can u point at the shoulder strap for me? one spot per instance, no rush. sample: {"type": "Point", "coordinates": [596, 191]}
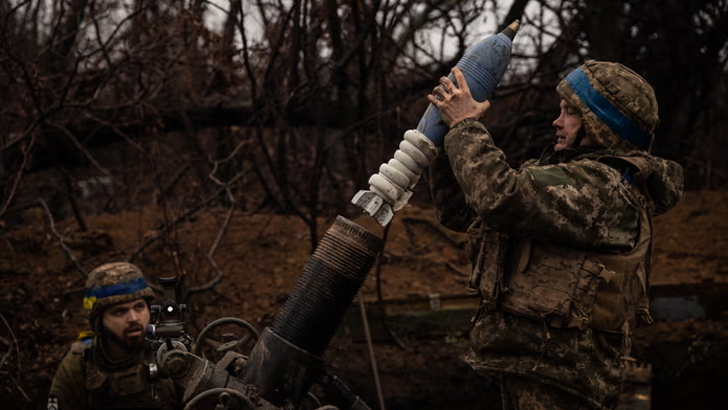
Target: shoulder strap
{"type": "Point", "coordinates": [641, 164]}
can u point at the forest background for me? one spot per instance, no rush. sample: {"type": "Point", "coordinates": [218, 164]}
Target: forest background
{"type": "Point", "coordinates": [145, 130]}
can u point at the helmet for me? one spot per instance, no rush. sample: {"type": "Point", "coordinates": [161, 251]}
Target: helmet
{"type": "Point", "coordinates": [618, 106]}
{"type": "Point", "coordinates": [111, 284]}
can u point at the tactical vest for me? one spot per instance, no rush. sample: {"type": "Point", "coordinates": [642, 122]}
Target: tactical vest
{"type": "Point", "coordinates": [565, 286]}
{"type": "Point", "coordinates": [123, 389]}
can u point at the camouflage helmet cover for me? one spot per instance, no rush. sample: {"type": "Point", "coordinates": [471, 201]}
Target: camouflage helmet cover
{"type": "Point", "coordinates": [114, 283]}
{"type": "Point", "coordinates": [618, 106]}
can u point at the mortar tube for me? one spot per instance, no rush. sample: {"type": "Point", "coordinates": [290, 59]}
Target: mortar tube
{"type": "Point", "coordinates": [286, 360]}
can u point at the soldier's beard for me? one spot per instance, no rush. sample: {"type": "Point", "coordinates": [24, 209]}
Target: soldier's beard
{"type": "Point", "coordinates": [119, 351]}
{"type": "Point", "coordinates": [132, 337]}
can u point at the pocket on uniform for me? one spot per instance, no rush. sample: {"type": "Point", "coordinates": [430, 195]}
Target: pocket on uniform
{"type": "Point", "coordinates": [621, 299]}
{"type": "Point", "coordinates": [491, 258]}
{"type": "Point", "coordinates": [590, 279]}
{"type": "Point", "coordinates": [559, 285]}
{"type": "Point", "coordinates": [475, 239]}
{"type": "Point", "coordinates": [127, 382]}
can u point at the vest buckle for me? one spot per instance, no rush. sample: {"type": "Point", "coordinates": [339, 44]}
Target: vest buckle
{"type": "Point", "coordinates": [644, 203]}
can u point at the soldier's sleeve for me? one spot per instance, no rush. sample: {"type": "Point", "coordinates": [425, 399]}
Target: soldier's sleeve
{"type": "Point", "coordinates": [666, 184]}
{"type": "Point", "coordinates": [582, 203]}
{"type": "Point", "coordinates": [68, 389]}
{"type": "Point", "coordinates": [448, 199]}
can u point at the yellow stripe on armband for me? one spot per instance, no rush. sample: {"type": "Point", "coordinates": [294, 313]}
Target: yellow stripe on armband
{"type": "Point", "coordinates": [84, 334]}
{"type": "Point", "coordinates": [88, 302]}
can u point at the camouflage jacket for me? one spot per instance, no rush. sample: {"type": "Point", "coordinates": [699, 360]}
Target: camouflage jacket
{"type": "Point", "coordinates": [580, 200]}
{"type": "Point", "coordinates": [567, 196]}
{"type": "Point", "coordinates": [80, 384]}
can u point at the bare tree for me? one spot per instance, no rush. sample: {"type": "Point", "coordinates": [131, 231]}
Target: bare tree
{"type": "Point", "coordinates": [218, 107]}
{"type": "Point", "coordinates": [321, 89]}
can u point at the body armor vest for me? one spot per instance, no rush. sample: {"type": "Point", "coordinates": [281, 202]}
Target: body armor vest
{"type": "Point", "coordinates": [566, 286]}
{"type": "Point", "coordinates": [122, 389]}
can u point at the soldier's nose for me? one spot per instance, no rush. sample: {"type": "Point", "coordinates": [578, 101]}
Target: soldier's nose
{"type": "Point", "coordinates": [134, 316]}
{"type": "Point", "coordinates": [556, 124]}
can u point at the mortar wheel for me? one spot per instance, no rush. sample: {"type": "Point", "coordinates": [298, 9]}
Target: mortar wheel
{"type": "Point", "coordinates": [221, 398]}
{"type": "Point", "coordinates": [224, 335]}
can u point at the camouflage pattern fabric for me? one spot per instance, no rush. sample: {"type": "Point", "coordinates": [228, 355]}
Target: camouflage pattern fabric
{"type": "Point", "coordinates": [575, 198]}
{"type": "Point", "coordinates": [589, 205]}
{"type": "Point", "coordinates": [68, 385]}
{"type": "Point", "coordinates": [80, 384]}
{"type": "Point", "coordinates": [525, 394]}
{"type": "Point", "coordinates": [584, 364]}
{"type": "Point", "coordinates": [114, 283]}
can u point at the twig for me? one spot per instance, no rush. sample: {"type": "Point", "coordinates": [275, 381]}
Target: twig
{"type": "Point", "coordinates": [119, 132]}
{"type": "Point", "coordinates": [20, 389]}
{"type": "Point", "coordinates": [15, 340]}
{"type": "Point", "coordinates": [370, 345]}
{"type": "Point", "coordinates": [175, 178]}
{"type": "Point", "coordinates": [378, 269]}
{"type": "Point", "coordinates": [226, 186]}
{"type": "Point", "coordinates": [26, 157]}
{"type": "Point", "coordinates": [262, 231]}
{"type": "Point", "coordinates": [701, 164]}
{"type": "Point", "coordinates": [72, 200]}
{"type": "Point", "coordinates": [85, 152]}
{"type": "Point", "coordinates": [5, 356]}
{"type": "Point", "coordinates": [457, 270]}
{"type": "Point", "coordinates": [61, 241]}
{"type": "Point", "coordinates": [219, 272]}
{"type": "Point", "coordinates": [168, 226]}
{"type": "Point", "coordinates": [434, 226]}
{"type": "Point", "coordinates": [12, 250]}
{"type": "Point", "coordinates": [82, 289]}
{"type": "Point", "coordinates": [396, 338]}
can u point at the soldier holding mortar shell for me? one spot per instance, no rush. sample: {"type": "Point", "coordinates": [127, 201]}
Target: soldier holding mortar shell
{"type": "Point", "coordinates": [561, 246]}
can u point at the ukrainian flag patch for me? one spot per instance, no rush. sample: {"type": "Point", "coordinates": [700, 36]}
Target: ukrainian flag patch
{"type": "Point", "coordinates": [88, 302]}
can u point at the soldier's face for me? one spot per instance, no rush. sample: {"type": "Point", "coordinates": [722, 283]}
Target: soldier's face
{"type": "Point", "coordinates": [567, 126]}
{"type": "Point", "coordinates": [127, 322]}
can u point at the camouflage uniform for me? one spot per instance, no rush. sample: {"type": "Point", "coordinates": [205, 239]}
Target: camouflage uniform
{"type": "Point", "coordinates": [99, 372]}
{"type": "Point", "coordinates": [560, 247]}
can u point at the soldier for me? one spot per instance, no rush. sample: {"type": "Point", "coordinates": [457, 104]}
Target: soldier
{"type": "Point", "coordinates": [108, 368]}
{"type": "Point", "coordinates": [561, 247]}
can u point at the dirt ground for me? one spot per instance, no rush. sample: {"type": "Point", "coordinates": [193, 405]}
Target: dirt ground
{"type": "Point", "coordinates": [263, 256]}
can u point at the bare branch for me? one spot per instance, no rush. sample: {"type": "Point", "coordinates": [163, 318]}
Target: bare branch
{"type": "Point", "coordinates": [7, 354]}
{"type": "Point", "coordinates": [15, 340]}
{"type": "Point", "coordinates": [61, 240]}
{"type": "Point", "coordinates": [81, 148]}
{"type": "Point", "coordinates": [161, 230]}
{"type": "Point", "coordinates": [118, 132]}
{"type": "Point", "coordinates": [219, 273]}
{"type": "Point", "coordinates": [18, 175]}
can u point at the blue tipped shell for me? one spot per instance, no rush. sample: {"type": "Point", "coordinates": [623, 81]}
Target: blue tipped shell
{"type": "Point", "coordinates": [483, 66]}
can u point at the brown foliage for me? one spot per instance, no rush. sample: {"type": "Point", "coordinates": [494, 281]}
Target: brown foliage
{"type": "Point", "coordinates": [285, 108]}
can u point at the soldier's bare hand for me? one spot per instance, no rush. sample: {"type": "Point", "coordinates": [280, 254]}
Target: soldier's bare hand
{"type": "Point", "coordinates": [455, 101]}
